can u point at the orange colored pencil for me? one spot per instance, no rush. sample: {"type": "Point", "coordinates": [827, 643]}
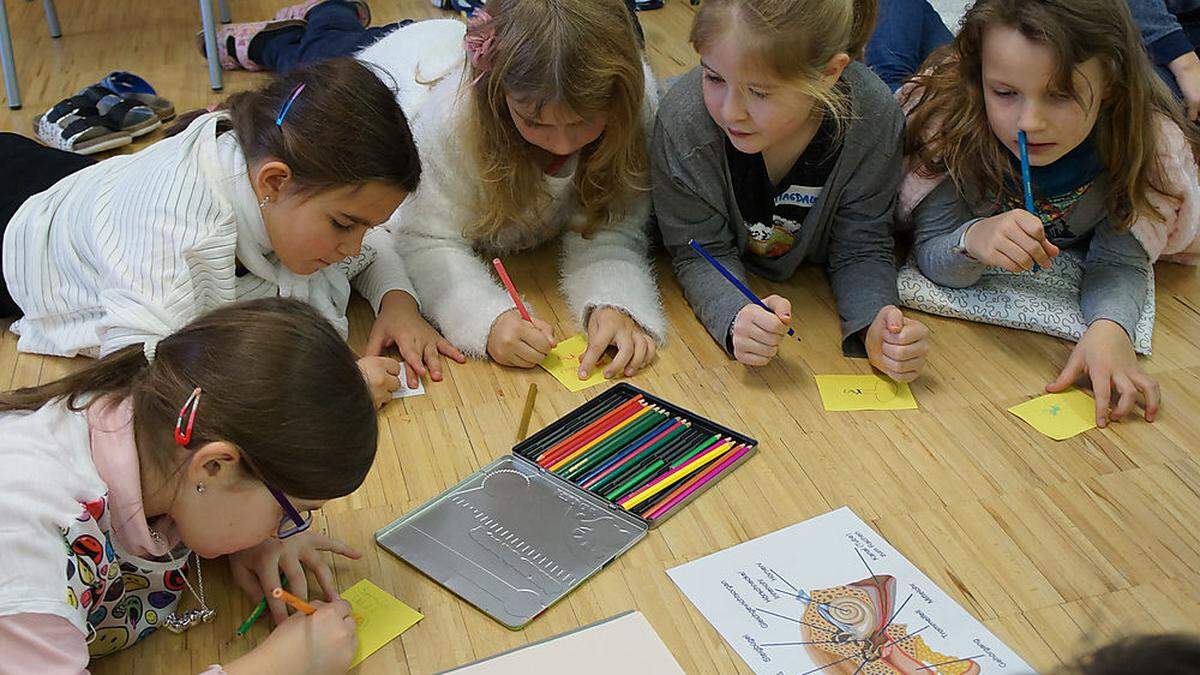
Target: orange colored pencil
{"type": "Point", "coordinates": [590, 431]}
{"type": "Point", "coordinates": [616, 428]}
{"type": "Point", "coordinates": [296, 603]}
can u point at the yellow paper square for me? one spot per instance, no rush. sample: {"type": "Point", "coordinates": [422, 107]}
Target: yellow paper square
{"type": "Point", "coordinates": [563, 364]}
{"type": "Point", "coordinates": [840, 393]}
{"type": "Point", "coordinates": [380, 617]}
{"type": "Point", "coordinates": [1059, 416]}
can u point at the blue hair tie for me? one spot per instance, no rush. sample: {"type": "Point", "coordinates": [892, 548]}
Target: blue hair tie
{"type": "Point", "coordinates": [288, 106]}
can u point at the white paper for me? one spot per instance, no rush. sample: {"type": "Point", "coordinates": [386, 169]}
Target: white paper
{"type": "Point", "coordinates": [757, 596]}
{"type": "Point", "coordinates": [404, 391]}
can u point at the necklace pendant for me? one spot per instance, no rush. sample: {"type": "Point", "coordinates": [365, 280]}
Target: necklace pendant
{"type": "Point", "coordinates": [206, 614]}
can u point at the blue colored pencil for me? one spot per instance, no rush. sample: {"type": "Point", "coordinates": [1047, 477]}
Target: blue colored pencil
{"type": "Point", "coordinates": [732, 279]}
{"type": "Point", "coordinates": [1026, 180]}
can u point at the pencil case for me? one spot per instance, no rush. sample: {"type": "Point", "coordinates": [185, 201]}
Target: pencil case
{"type": "Point", "coordinates": [516, 536]}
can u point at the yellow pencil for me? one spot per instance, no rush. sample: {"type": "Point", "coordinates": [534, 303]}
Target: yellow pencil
{"type": "Point", "coordinates": [599, 439]}
{"type": "Point", "coordinates": [676, 476]}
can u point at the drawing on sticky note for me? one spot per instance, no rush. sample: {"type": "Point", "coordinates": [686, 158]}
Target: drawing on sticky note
{"type": "Point", "coordinates": [1059, 416]}
{"type": "Point", "coordinates": [379, 617]}
{"type": "Point", "coordinates": [563, 364]}
{"type": "Point", "coordinates": [1053, 410]}
{"type": "Point", "coordinates": [864, 392]}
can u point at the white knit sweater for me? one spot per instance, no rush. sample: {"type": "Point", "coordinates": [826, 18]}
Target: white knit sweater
{"type": "Point", "coordinates": [457, 288]}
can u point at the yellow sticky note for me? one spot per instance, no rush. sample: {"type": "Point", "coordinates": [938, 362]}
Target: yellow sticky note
{"type": "Point", "coordinates": [380, 617]}
{"type": "Point", "coordinates": [1059, 416]}
{"type": "Point", "coordinates": [841, 393]}
{"type": "Point", "coordinates": [563, 364]}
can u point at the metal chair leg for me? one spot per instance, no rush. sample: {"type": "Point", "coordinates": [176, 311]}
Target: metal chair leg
{"type": "Point", "coordinates": [207, 17]}
{"type": "Point", "coordinates": [6, 61]}
{"type": "Point", "coordinates": [52, 18]}
{"type": "Point", "coordinates": [223, 10]}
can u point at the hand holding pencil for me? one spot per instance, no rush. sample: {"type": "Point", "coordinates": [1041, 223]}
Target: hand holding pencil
{"type": "Point", "coordinates": [518, 338]}
{"type": "Point", "coordinates": [319, 638]}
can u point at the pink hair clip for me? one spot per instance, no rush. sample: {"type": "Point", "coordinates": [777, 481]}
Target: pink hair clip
{"type": "Point", "coordinates": [480, 38]}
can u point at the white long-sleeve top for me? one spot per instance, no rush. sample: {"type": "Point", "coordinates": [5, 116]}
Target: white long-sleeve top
{"type": "Point", "coordinates": [132, 248]}
{"type": "Point", "coordinates": [456, 286]}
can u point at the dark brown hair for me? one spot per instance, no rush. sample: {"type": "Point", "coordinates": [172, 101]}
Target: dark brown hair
{"type": "Point", "coordinates": [345, 128]}
{"type": "Point", "coordinates": [1169, 654]}
{"type": "Point", "coordinates": [276, 380]}
{"type": "Point", "coordinates": [948, 133]}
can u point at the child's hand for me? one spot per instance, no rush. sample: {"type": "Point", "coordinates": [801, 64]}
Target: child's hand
{"type": "Point", "coordinates": [382, 375]}
{"type": "Point", "coordinates": [1106, 355]}
{"type": "Point", "coordinates": [256, 570]}
{"type": "Point", "coordinates": [321, 644]}
{"type": "Point", "coordinates": [610, 326]}
{"type": "Point", "coordinates": [400, 323]}
{"type": "Point", "coordinates": [1186, 70]}
{"type": "Point", "coordinates": [897, 345]}
{"type": "Point", "coordinates": [1012, 241]}
{"type": "Point", "coordinates": [514, 341]}
{"type": "Point", "coordinates": [757, 332]}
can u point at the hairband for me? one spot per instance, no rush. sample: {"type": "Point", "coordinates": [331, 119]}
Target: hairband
{"type": "Point", "coordinates": [288, 106]}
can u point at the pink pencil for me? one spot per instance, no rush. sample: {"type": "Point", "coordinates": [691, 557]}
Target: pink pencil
{"type": "Point", "coordinates": [712, 474]}
{"type": "Point", "coordinates": [512, 290]}
{"type": "Point", "coordinates": [593, 480]}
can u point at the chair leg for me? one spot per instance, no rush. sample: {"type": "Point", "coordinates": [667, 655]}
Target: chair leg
{"type": "Point", "coordinates": [52, 18]}
{"type": "Point", "coordinates": [6, 61]}
{"type": "Point", "coordinates": [207, 17]}
{"type": "Point", "coordinates": [223, 10]}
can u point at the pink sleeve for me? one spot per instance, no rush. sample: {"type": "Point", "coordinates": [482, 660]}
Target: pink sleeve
{"type": "Point", "coordinates": [41, 643]}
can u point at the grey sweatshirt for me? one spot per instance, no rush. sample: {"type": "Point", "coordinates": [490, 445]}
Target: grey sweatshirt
{"type": "Point", "coordinates": [849, 231]}
{"type": "Point", "coordinates": [1116, 269]}
{"type": "Point", "coordinates": [1162, 33]}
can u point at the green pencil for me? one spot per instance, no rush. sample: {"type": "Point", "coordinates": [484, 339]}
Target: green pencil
{"type": "Point", "coordinates": [658, 464]}
{"type": "Point", "coordinates": [615, 443]}
{"type": "Point", "coordinates": [645, 457]}
{"type": "Point", "coordinates": [258, 611]}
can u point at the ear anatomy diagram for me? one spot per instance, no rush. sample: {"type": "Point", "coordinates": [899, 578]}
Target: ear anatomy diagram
{"type": "Point", "coordinates": [829, 596]}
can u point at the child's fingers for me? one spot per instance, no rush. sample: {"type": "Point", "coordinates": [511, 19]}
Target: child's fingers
{"type": "Point", "coordinates": [749, 347]}
{"type": "Point", "coordinates": [1150, 392]}
{"type": "Point", "coordinates": [412, 357]}
{"type": "Point", "coordinates": [1032, 247]}
{"type": "Point", "coordinates": [268, 578]}
{"type": "Point", "coordinates": [761, 335]}
{"type": "Point", "coordinates": [527, 356]}
{"type": "Point", "coordinates": [624, 343]}
{"type": "Point", "coordinates": [377, 341]}
{"type": "Point", "coordinates": [639, 356]}
{"type": "Point", "coordinates": [447, 349]}
{"type": "Point", "coordinates": [297, 580]}
{"type": "Point", "coordinates": [547, 330]}
{"type": "Point", "coordinates": [1102, 389]}
{"type": "Point", "coordinates": [766, 321]}
{"type": "Point", "coordinates": [538, 338]}
{"type": "Point", "coordinates": [324, 542]}
{"type": "Point", "coordinates": [651, 351]}
{"type": "Point", "coordinates": [434, 362]}
{"type": "Point", "coordinates": [1068, 375]}
{"type": "Point", "coordinates": [315, 564]}
{"type": "Point", "coordinates": [392, 366]}
{"type": "Point", "coordinates": [1019, 256]}
{"type": "Point", "coordinates": [902, 353]}
{"type": "Point", "coordinates": [1128, 396]}
{"type": "Point", "coordinates": [597, 343]}
{"type": "Point", "coordinates": [782, 307]}
{"type": "Point", "coordinates": [912, 333]}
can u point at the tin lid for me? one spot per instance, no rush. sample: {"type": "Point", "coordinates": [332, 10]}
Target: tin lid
{"type": "Point", "coordinates": [512, 539]}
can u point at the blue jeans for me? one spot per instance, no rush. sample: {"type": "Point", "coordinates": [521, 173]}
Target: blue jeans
{"type": "Point", "coordinates": [907, 32]}
{"type": "Point", "coordinates": [333, 30]}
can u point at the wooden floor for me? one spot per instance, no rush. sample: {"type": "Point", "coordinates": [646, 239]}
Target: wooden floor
{"type": "Point", "coordinates": [1055, 546]}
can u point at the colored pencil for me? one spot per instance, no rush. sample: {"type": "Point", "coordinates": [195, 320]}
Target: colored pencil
{"type": "Point", "coordinates": [673, 427]}
{"type": "Point", "coordinates": [647, 474]}
{"type": "Point", "coordinates": [527, 413]}
{"type": "Point", "coordinates": [512, 291]}
{"type": "Point", "coordinates": [707, 478]}
{"type": "Point", "coordinates": [599, 406]}
{"type": "Point", "coordinates": [1027, 180]}
{"type": "Point", "coordinates": [652, 504]}
{"type": "Point", "coordinates": [674, 476]}
{"type": "Point", "coordinates": [296, 603]}
{"type": "Point", "coordinates": [590, 431]}
{"type": "Point", "coordinates": [737, 283]}
{"type": "Point", "coordinates": [616, 428]}
{"type": "Point", "coordinates": [646, 457]}
{"type": "Point", "coordinates": [628, 435]}
{"type": "Point", "coordinates": [257, 612]}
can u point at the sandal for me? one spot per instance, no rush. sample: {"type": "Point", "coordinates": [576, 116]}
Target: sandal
{"type": "Point", "coordinates": [241, 34]}
{"type": "Point", "coordinates": [300, 11]}
{"type": "Point", "coordinates": [133, 88]}
{"type": "Point", "coordinates": [123, 115]}
{"type": "Point", "coordinates": [81, 134]}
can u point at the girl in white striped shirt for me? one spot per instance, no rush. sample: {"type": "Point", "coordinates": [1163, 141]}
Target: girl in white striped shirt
{"type": "Point", "coordinates": [275, 194]}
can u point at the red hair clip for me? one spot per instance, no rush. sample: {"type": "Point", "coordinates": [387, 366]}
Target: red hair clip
{"type": "Point", "coordinates": [184, 436]}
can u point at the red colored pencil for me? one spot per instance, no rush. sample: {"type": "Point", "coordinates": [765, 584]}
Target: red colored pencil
{"type": "Point", "coordinates": [512, 291]}
{"type": "Point", "coordinates": [573, 438]}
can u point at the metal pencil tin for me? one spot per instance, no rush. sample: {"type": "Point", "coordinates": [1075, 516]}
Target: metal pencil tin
{"type": "Point", "coordinates": [514, 538]}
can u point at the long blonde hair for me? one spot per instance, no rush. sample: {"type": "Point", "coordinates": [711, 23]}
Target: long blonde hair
{"type": "Point", "coordinates": [793, 40]}
{"type": "Point", "coordinates": [948, 132]}
{"type": "Point", "coordinates": [582, 55]}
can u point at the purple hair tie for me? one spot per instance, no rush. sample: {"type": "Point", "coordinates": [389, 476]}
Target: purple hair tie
{"type": "Point", "coordinates": [288, 106]}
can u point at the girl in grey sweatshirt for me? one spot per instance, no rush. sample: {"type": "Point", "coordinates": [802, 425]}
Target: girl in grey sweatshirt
{"type": "Point", "coordinates": [780, 150]}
